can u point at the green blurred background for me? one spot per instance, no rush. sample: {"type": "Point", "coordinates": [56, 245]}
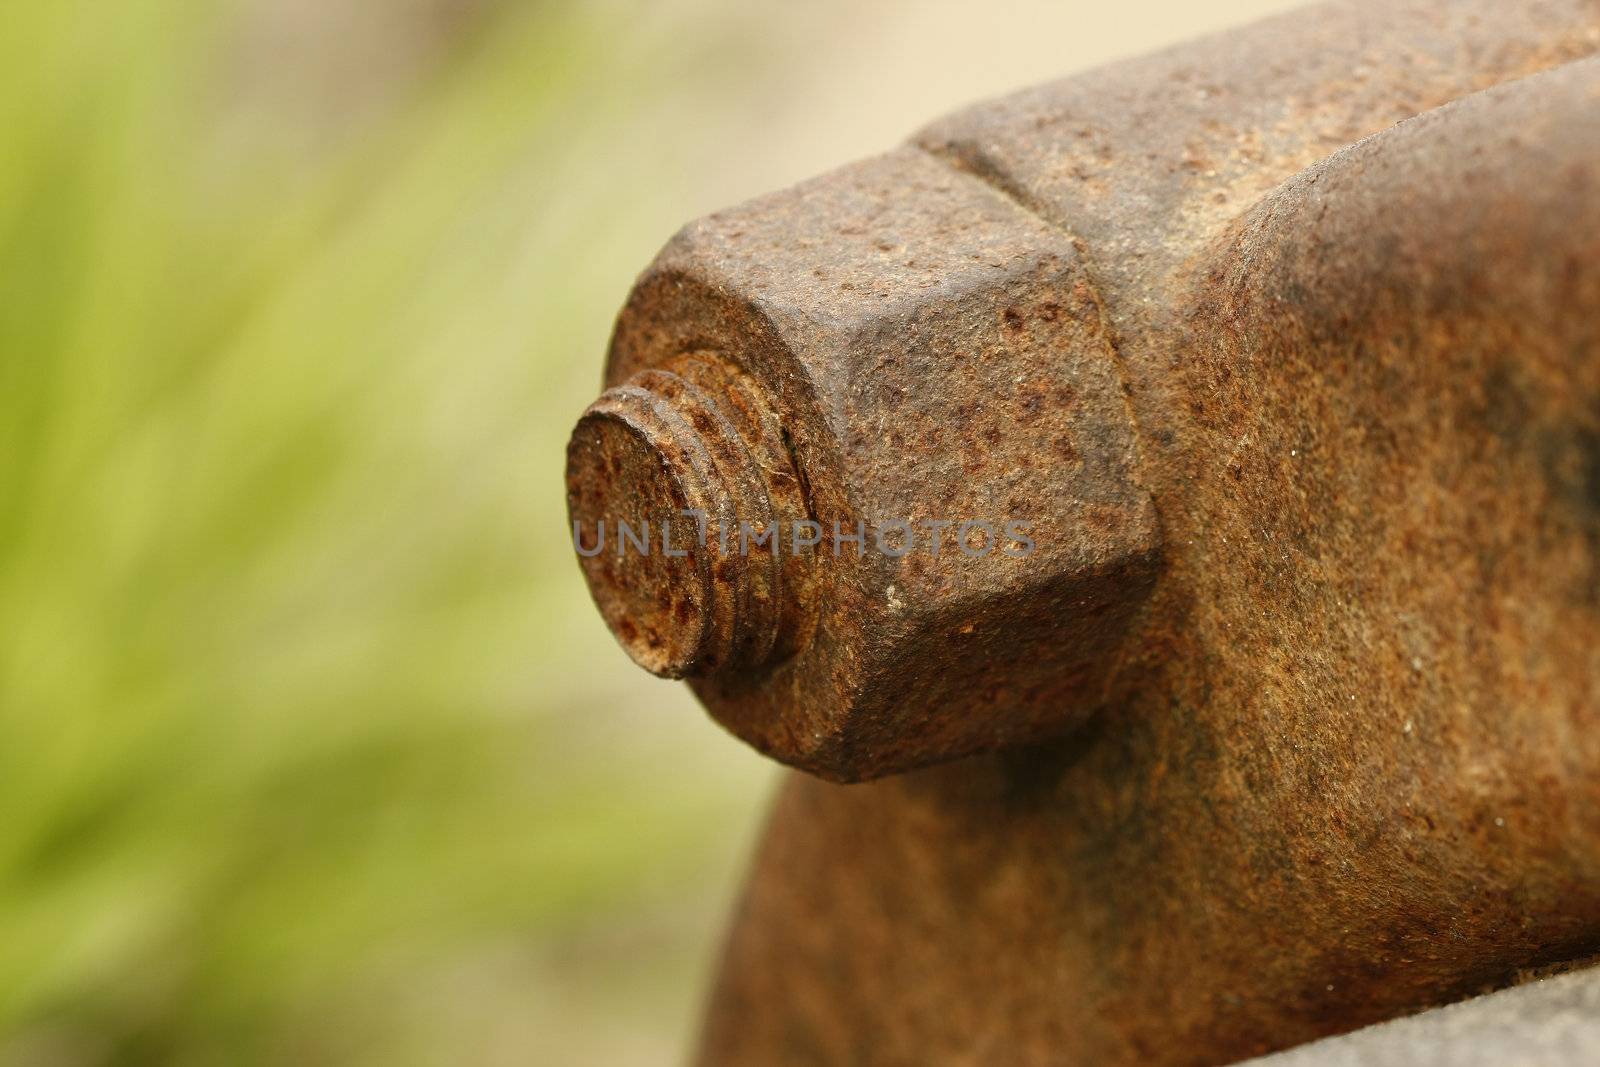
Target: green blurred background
{"type": "Point", "coordinates": [312, 750]}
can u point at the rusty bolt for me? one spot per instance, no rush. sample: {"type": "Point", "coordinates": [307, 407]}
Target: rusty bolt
{"type": "Point", "coordinates": [661, 472]}
{"type": "Point", "coordinates": [911, 363]}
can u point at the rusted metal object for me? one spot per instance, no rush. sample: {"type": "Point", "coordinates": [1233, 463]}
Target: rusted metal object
{"type": "Point", "coordinates": [1305, 407]}
{"type": "Point", "coordinates": [676, 451]}
{"type": "Point", "coordinates": [937, 359]}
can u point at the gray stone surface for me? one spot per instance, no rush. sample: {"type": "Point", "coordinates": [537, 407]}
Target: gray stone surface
{"type": "Point", "coordinates": [1554, 1022]}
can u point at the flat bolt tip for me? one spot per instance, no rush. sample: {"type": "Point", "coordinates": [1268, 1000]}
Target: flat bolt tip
{"type": "Point", "coordinates": [630, 480]}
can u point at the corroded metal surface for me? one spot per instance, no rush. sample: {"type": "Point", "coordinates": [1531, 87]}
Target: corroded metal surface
{"type": "Point", "coordinates": [937, 357]}
{"type": "Point", "coordinates": [679, 455]}
{"type": "Point", "coordinates": [1306, 406]}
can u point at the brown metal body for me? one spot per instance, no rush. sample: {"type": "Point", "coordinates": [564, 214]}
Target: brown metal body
{"type": "Point", "coordinates": [1293, 711]}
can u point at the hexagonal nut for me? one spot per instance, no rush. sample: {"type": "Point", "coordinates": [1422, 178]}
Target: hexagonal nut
{"type": "Point", "coordinates": [900, 363]}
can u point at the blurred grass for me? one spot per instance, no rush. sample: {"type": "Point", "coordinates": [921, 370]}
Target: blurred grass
{"type": "Point", "coordinates": [303, 756]}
